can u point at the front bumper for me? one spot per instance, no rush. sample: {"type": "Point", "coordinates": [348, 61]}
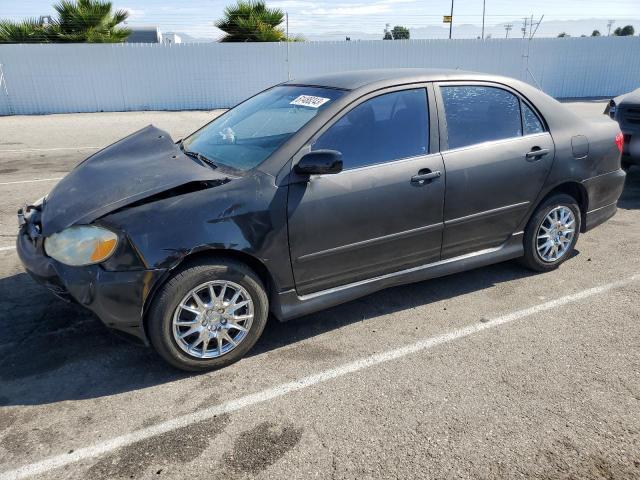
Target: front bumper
{"type": "Point", "coordinates": [603, 192]}
{"type": "Point", "coordinates": [116, 297]}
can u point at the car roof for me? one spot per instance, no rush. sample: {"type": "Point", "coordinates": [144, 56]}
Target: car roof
{"type": "Point", "coordinates": [355, 79]}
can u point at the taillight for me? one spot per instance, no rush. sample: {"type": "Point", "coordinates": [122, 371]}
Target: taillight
{"type": "Point", "coordinates": [620, 141]}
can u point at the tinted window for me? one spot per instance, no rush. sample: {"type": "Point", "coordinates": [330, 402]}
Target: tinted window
{"type": "Point", "coordinates": [385, 128]}
{"type": "Point", "coordinates": [246, 135]}
{"type": "Point", "coordinates": [480, 114]}
{"type": "Point", "coordinates": [530, 121]}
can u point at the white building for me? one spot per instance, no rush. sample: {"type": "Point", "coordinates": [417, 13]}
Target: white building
{"type": "Point", "coordinates": [171, 38]}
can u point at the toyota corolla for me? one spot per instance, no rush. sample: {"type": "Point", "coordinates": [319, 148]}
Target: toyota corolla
{"type": "Point", "coordinates": [313, 193]}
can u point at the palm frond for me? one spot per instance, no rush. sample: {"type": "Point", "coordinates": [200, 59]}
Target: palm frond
{"type": "Point", "coordinates": [90, 21]}
{"type": "Point", "coordinates": [29, 30]}
{"type": "Point", "coordinates": [251, 21]}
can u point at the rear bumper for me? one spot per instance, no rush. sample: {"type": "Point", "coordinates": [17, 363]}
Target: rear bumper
{"type": "Point", "coordinates": [117, 298]}
{"type": "Point", "coordinates": [603, 192]}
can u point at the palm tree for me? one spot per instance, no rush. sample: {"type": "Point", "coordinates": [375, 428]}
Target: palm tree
{"type": "Point", "coordinates": [252, 21]}
{"type": "Point", "coordinates": [89, 21]}
{"type": "Point", "coordinates": [80, 21]}
{"type": "Point", "coordinates": [29, 30]}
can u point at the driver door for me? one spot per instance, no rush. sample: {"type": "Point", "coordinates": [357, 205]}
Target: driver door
{"type": "Point", "coordinates": [376, 216]}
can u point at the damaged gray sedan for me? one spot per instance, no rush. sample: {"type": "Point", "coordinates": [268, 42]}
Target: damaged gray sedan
{"type": "Point", "coordinates": [313, 193]}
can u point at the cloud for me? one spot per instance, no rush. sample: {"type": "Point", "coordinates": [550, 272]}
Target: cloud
{"type": "Point", "coordinates": [352, 9]}
{"type": "Point", "coordinates": [291, 4]}
{"type": "Point", "coordinates": [134, 13]}
{"type": "Point", "coordinates": [347, 9]}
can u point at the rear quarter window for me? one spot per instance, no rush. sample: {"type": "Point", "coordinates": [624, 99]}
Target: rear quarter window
{"type": "Point", "coordinates": [530, 121]}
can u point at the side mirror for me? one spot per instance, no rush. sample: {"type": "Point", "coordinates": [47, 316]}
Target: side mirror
{"type": "Point", "coordinates": [320, 162]}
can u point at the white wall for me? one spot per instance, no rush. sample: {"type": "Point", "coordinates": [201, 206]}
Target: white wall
{"type": "Point", "coordinates": [101, 77]}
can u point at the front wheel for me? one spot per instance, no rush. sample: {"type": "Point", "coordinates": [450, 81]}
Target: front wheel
{"type": "Point", "coordinates": [208, 315]}
{"type": "Point", "coordinates": [551, 234]}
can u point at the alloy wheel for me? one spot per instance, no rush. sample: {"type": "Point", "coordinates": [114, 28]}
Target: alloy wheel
{"type": "Point", "coordinates": [213, 319]}
{"type": "Point", "coordinates": [555, 234]}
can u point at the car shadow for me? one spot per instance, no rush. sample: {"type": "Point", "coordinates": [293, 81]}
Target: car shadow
{"type": "Point", "coordinates": [52, 351]}
{"type": "Point", "coordinates": [387, 302]}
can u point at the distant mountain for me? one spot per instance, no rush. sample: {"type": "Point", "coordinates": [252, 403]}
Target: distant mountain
{"type": "Point", "coordinates": [552, 28]}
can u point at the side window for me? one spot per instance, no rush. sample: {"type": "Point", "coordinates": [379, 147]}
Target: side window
{"type": "Point", "coordinates": [477, 114]}
{"type": "Point", "coordinates": [385, 128]}
{"type": "Point", "coordinates": [530, 121]}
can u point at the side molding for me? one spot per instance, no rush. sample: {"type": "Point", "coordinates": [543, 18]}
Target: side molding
{"type": "Point", "coordinates": [288, 305]}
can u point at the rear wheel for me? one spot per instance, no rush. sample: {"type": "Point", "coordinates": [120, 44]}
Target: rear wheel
{"type": "Point", "coordinates": [208, 315]}
{"type": "Point", "coordinates": [551, 234]}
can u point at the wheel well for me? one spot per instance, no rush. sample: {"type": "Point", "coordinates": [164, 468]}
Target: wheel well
{"type": "Point", "coordinates": [252, 262]}
{"type": "Point", "coordinates": [577, 191]}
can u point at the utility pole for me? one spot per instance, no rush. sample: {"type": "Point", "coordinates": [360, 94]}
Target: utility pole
{"type": "Point", "coordinates": [609, 24]}
{"type": "Point", "coordinates": [483, 9]}
{"type": "Point", "coordinates": [531, 25]}
{"type": "Point", "coordinates": [507, 29]}
{"type": "Point", "coordinates": [532, 32]}
{"type": "Point", "coordinates": [524, 26]}
{"type": "Point", "coordinates": [451, 24]}
{"type": "Point", "coordinates": [288, 65]}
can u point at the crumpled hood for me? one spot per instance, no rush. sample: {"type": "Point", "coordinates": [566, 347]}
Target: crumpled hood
{"type": "Point", "coordinates": [143, 164]}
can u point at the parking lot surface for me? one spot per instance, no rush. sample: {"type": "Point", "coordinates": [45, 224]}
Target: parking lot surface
{"type": "Point", "coordinates": [492, 373]}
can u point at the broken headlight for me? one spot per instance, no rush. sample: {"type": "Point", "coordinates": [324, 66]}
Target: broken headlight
{"type": "Point", "coordinates": [81, 245]}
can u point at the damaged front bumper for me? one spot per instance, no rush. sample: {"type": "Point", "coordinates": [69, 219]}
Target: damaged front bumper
{"type": "Point", "coordinates": [117, 297]}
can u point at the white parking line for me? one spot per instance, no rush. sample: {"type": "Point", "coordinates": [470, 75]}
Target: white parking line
{"type": "Point", "coordinates": [44, 466]}
{"type": "Point", "coordinates": [32, 181]}
{"type": "Point", "coordinates": [22, 150]}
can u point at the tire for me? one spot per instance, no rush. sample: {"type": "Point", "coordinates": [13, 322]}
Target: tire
{"type": "Point", "coordinates": [626, 166]}
{"type": "Point", "coordinates": [174, 312]}
{"type": "Point", "coordinates": [533, 258]}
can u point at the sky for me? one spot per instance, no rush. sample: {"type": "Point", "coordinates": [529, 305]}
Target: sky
{"type": "Point", "coordinates": [315, 18]}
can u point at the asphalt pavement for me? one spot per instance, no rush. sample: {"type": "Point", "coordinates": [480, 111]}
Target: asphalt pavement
{"type": "Point", "coordinates": [493, 373]}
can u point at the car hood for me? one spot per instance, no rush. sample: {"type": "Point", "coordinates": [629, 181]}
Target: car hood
{"type": "Point", "coordinates": [142, 165]}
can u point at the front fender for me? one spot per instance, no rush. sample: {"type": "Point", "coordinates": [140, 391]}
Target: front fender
{"type": "Point", "coordinates": [246, 215]}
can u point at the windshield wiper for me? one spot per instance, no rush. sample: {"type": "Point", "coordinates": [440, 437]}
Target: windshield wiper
{"type": "Point", "coordinates": [197, 156]}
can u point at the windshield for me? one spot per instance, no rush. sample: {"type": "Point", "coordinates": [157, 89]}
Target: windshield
{"type": "Point", "coordinates": [246, 135]}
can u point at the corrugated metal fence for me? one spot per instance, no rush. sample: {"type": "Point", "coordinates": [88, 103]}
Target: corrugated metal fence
{"type": "Point", "coordinates": [89, 78]}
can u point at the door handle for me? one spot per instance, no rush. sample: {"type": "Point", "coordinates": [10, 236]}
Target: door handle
{"type": "Point", "coordinates": [423, 178]}
{"type": "Point", "coordinates": [536, 153]}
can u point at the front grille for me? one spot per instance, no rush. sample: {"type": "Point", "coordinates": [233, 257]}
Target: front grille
{"type": "Point", "coordinates": [31, 226]}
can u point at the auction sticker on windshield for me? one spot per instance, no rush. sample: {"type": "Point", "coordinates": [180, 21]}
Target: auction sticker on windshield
{"type": "Point", "coordinates": [310, 101]}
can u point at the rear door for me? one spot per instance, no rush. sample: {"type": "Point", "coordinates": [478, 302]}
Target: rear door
{"type": "Point", "coordinates": [497, 154]}
{"type": "Point", "coordinates": [374, 217]}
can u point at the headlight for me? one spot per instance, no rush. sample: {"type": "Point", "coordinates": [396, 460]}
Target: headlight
{"type": "Point", "coordinates": [82, 245]}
